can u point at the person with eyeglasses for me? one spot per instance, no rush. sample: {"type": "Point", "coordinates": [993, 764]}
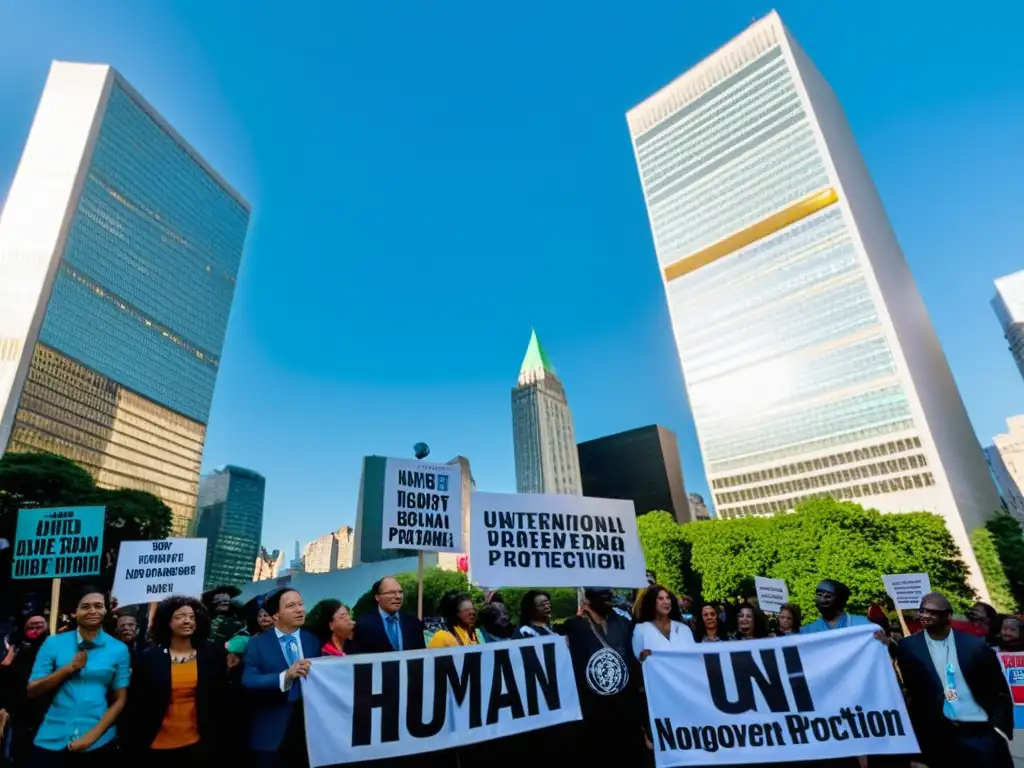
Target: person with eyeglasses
{"type": "Point", "coordinates": [388, 628]}
{"type": "Point", "coordinates": [957, 696]}
{"type": "Point", "coordinates": [87, 672]}
{"type": "Point", "coordinates": [830, 598]}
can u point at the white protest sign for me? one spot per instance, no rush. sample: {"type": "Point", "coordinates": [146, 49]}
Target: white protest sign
{"type": "Point", "coordinates": [779, 700]}
{"type": "Point", "coordinates": [907, 589]}
{"type": "Point", "coordinates": [533, 539]}
{"type": "Point", "coordinates": [772, 594]}
{"type": "Point", "coordinates": [389, 705]}
{"type": "Point", "coordinates": [422, 506]}
{"type": "Point", "coordinates": [149, 571]}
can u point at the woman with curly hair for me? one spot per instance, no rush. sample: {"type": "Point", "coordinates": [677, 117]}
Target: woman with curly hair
{"type": "Point", "coordinates": [750, 623]}
{"type": "Point", "coordinates": [332, 623]}
{"type": "Point", "coordinates": [178, 687]}
{"type": "Point", "coordinates": [659, 624]}
{"type": "Point", "coordinates": [459, 616]}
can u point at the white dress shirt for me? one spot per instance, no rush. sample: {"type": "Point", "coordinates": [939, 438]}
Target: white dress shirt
{"type": "Point", "coordinates": [285, 683]}
{"type": "Point", "coordinates": [647, 637]}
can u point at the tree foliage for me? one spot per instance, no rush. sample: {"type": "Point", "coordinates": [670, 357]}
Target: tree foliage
{"type": "Point", "coordinates": [999, 547]}
{"type": "Point", "coordinates": [823, 538]}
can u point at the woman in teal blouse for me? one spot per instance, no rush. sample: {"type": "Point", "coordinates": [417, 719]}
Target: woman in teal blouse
{"type": "Point", "coordinates": [87, 672]}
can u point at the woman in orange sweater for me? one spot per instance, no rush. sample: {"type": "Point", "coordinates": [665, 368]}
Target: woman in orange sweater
{"type": "Point", "coordinates": [177, 687]}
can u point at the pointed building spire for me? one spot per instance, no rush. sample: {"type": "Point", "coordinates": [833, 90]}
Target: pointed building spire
{"type": "Point", "coordinates": [536, 362]}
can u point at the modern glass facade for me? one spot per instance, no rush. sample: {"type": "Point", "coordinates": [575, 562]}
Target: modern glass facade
{"type": "Point", "coordinates": [810, 362]}
{"type": "Point", "coordinates": [136, 278]}
{"type": "Point", "coordinates": [230, 518]}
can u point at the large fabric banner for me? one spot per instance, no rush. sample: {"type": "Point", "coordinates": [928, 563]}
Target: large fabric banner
{"type": "Point", "coordinates": [803, 697]}
{"type": "Point", "coordinates": [394, 704]}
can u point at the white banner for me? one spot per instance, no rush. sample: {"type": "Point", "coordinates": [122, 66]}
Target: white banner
{"type": "Point", "coordinates": [800, 697]}
{"type": "Point", "coordinates": [907, 589]}
{"type": "Point", "coordinates": [540, 540]}
{"type": "Point", "coordinates": [772, 594]}
{"type": "Point", "coordinates": [149, 571]}
{"type": "Point", "coordinates": [422, 506]}
{"type": "Point", "coordinates": [394, 704]}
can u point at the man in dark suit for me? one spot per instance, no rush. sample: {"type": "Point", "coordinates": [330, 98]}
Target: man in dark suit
{"type": "Point", "coordinates": [275, 663]}
{"type": "Point", "coordinates": [388, 629]}
{"type": "Point", "coordinates": [957, 693]}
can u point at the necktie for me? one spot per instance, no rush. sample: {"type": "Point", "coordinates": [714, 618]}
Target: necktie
{"type": "Point", "coordinates": [291, 655]}
{"type": "Point", "coordinates": [393, 633]}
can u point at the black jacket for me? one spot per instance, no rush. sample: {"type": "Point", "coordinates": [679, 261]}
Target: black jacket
{"type": "Point", "coordinates": [982, 672]}
{"type": "Point", "coordinates": [150, 695]}
{"type": "Point", "coordinates": [371, 637]}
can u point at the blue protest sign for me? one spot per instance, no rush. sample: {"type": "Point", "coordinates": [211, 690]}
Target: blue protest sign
{"type": "Point", "coordinates": [58, 542]}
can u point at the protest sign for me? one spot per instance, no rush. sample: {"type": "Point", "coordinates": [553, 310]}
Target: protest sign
{"type": "Point", "coordinates": [907, 589]}
{"type": "Point", "coordinates": [533, 539]}
{"type": "Point", "coordinates": [391, 705]}
{"type": "Point", "coordinates": [772, 594]}
{"type": "Point", "coordinates": [148, 571]}
{"type": "Point", "coordinates": [58, 542]}
{"type": "Point", "coordinates": [787, 699]}
{"type": "Point", "coordinates": [422, 506]}
{"type": "Point", "coordinates": [1013, 667]}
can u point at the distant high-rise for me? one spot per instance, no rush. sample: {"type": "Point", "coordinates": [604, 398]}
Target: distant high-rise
{"type": "Point", "coordinates": [1006, 459]}
{"type": "Point", "coordinates": [119, 251]}
{"type": "Point", "coordinates": [698, 507]}
{"type": "Point", "coordinates": [542, 432]}
{"type": "Point", "coordinates": [1009, 306]}
{"type": "Point", "coordinates": [330, 552]}
{"type": "Point", "coordinates": [641, 465]}
{"type": "Point", "coordinates": [268, 564]}
{"type": "Point", "coordinates": [810, 361]}
{"type": "Point", "coordinates": [230, 518]}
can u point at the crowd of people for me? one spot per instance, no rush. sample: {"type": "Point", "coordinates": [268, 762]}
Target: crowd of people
{"type": "Point", "coordinates": [205, 680]}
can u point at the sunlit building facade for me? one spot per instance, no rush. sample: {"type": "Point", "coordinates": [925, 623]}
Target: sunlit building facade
{"type": "Point", "coordinates": [1008, 304]}
{"type": "Point", "coordinates": [119, 251]}
{"type": "Point", "coordinates": [1006, 460]}
{"type": "Point", "coordinates": [810, 361]}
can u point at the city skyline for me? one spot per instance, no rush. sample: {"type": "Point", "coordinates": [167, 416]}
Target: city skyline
{"type": "Point", "coordinates": [561, 239]}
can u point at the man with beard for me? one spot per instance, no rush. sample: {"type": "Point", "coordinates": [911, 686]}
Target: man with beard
{"type": "Point", "coordinates": [600, 644]}
{"type": "Point", "coordinates": [957, 694]}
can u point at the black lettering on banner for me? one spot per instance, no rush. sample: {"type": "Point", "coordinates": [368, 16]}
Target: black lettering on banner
{"type": "Point", "coordinates": [504, 691]}
{"type": "Point", "coordinates": [551, 540]}
{"type": "Point", "coordinates": [444, 676]}
{"type": "Point", "coordinates": [747, 674]}
{"type": "Point", "coordinates": [545, 677]}
{"type": "Point", "coordinates": [364, 701]}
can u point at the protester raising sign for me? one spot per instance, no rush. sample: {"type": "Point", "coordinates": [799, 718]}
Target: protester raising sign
{"type": "Point", "coordinates": [772, 594]}
{"type": "Point", "coordinates": [787, 699]}
{"type": "Point", "coordinates": [907, 589]}
{"type": "Point", "coordinates": [532, 539]}
{"type": "Point", "coordinates": [148, 571]}
{"type": "Point", "coordinates": [391, 705]}
{"type": "Point", "coordinates": [422, 506]}
{"type": "Point", "coordinates": [58, 542]}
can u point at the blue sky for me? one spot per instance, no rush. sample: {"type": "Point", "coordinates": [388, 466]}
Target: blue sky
{"type": "Point", "coordinates": [431, 180]}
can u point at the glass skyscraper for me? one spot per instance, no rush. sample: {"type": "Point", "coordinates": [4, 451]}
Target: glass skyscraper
{"type": "Point", "coordinates": [230, 518]}
{"type": "Point", "coordinates": [810, 361]}
{"type": "Point", "coordinates": [119, 251]}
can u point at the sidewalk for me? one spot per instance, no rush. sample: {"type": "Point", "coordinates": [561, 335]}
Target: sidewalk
{"type": "Point", "coordinates": [1017, 749]}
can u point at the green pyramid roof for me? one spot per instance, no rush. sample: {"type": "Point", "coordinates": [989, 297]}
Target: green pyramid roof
{"type": "Point", "coordinates": [536, 358]}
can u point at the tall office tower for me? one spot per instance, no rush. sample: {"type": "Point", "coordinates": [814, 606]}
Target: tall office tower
{"type": "Point", "coordinates": [810, 361]}
{"type": "Point", "coordinates": [1006, 460]}
{"type": "Point", "coordinates": [698, 508]}
{"type": "Point", "coordinates": [542, 433]}
{"type": "Point", "coordinates": [119, 249]}
{"type": "Point", "coordinates": [1009, 306]}
{"type": "Point", "coordinates": [230, 518]}
{"type": "Point", "coordinates": [641, 465]}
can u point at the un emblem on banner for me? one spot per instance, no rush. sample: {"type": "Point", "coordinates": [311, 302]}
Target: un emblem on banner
{"type": "Point", "coordinates": [607, 673]}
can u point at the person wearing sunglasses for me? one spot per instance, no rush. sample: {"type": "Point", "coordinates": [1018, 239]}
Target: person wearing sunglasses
{"type": "Point", "coordinates": [958, 699]}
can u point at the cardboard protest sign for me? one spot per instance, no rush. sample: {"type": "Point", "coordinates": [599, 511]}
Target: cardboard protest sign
{"type": "Point", "coordinates": [772, 594]}
{"type": "Point", "coordinates": [1013, 667]}
{"type": "Point", "coordinates": [907, 589]}
{"type": "Point", "coordinates": [148, 571]}
{"type": "Point", "coordinates": [422, 506]}
{"type": "Point", "coordinates": [533, 539]}
{"type": "Point", "coordinates": [389, 705]}
{"type": "Point", "coordinates": [58, 542]}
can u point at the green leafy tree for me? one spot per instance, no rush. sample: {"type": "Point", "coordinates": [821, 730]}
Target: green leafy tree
{"type": "Point", "coordinates": [987, 554]}
{"type": "Point", "coordinates": [999, 547]}
{"type": "Point", "coordinates": [131, 516]}
{"type": "Point", "coordinates": [564, 601]}
{"type": "Point", "coordinates": [39, 480]}
{"type": "Point", "coordinates": [666, 549]}
{"type": "Point", "coordinates": [436, 584]}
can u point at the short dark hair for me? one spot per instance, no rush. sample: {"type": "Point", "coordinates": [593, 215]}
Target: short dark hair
{"type": "Point", "coordinates": [842, 592]}
{"type": "Point", "coordinates": [91, 589]}
{"type": "Point", "coordinates": [273, 602]}
{"type": "Point", "coordinates": [649, 604]}
{"type": "Point", "coordinates": [527, 607]}
{"type": "Point", "coordinates": [165, 610]}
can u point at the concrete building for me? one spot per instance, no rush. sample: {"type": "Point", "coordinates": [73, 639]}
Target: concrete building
{"type": "Point", "coordinates": [542, 431]}
{"type": "Point", "coordinates": [811, 364]}
{"type": "Point", "coordinates": [698, 508]}
{"type": "Point", "coordinates": [1006, 460]}
{"type": "Point", "coordinates": [230, 518]}
{"type": "Point", "coordinates": [269, 565]}
{"type": "Point", "coordinates": [119, 252]}
{"type": "Point", "coordinates": [641, 465]}
{"type": "Point", "coordinates": [330, 552]}
{"type": "Point", "coordinates": [1009, 306]}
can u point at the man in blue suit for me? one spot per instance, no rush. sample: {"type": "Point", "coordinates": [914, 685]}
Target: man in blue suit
{"type": "Point", "coordinates": [275, 663]}
{"type": "Point", "coordinates": [388, 629]}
